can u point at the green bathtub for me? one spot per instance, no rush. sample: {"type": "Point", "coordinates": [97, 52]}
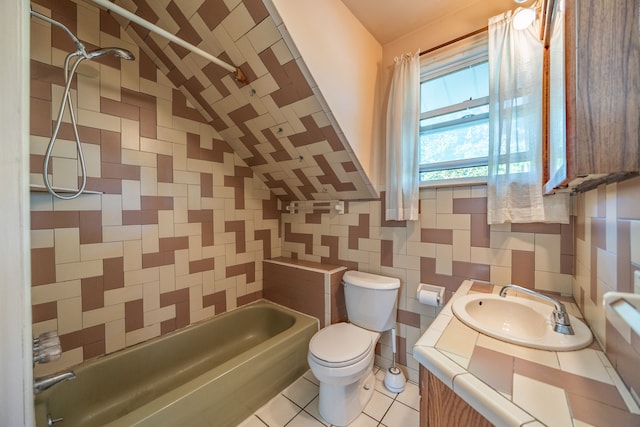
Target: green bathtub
{"type": "Point", "coordinates": [217, 372]}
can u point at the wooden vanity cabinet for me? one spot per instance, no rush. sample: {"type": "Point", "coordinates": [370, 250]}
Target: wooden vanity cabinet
{"type": "Point", "coordinates": [602, 87]}
{"type": "Point", "coordinates": [441, 407]}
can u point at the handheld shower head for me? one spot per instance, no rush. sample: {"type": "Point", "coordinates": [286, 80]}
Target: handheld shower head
{"type": "Point", "coordinates": [120, 53]}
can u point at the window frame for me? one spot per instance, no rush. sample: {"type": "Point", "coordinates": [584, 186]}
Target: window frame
{"type": "Point", "coordinates": [456, 56]}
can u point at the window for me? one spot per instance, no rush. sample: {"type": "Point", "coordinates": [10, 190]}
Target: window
{"type": "Point", "coordinates": [454, 112]}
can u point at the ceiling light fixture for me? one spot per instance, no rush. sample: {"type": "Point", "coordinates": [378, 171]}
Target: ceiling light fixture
{"type": "Point", "coordinates": [523, 18]}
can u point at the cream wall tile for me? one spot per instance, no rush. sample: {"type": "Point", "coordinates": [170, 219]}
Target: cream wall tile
{"type": "Point", "coordinates": [89, 87]}
{"type": "Point", "coordinates": [65, 173]}
{"type": "Point", "coordinates": [114, 335]}
{"type": "Point", "coordinates": [151, 296]}
{"type": "Point", "coordinates": [547, 403]}
{"type": "Point", "coordinates": [129, 73]}
{"type": "Point", "coordinates": [139, 158]}
{"type": "Point", "coordinates": [55, 291]}
{"type": "Point", "coordinates": [555, 282]}
{"type": "Point", "coordinates": [635, 241]}
{"type": "Point", "coordinates": [264, 35]}
{"type": "Point", "coordinates": [497, 257]}
{"type": "Point", "coordinates": [121, 233]}
{"type": "Point", "coordinates": [130, 136]}
{"type": "Point", "coordinates": [121, 295]}
{"type": "Point", "coordinates": [42, 239]}
{"type": "Point", "coordinates": [104, 315]}
{"type": "Point", "coordinates": [479, 191]}
{"type": "Point", "coordinates": [143, 334]}
{"type": "Point", "coordinates": [159, 315]}
{"type": "Point", "coordinates": [109, 82]}
{"type": "Point", "coordinates": [607, 268]}
{"type": "Point", "coordinates": [130, 195]}
{"type": "Point", "coordinates": [165, 224]}
{"type": "Point", "coordinates": [461, 245]}
{"type": "Point", "coordinates": [100, 251]}
{"type": "Point", "coordinates": [167, 278]}
{"type": "Point", "coordinates": [444, 200]}
{"type": "Point", "coordinates": [132, 255]}
{"type": "Point", "coordinates": [67, 245]}
{"type": "Point", "coordinates": [444, 258]}
{"type": "Point", "coordinates": [458, 339]}
{"type": "Point", "coordinates": [453, 221]}
{"type": "Point", "coordinates": [69, 315]}
{"type": "Point", "coordinates": [92, 159]}
{"type": "Point", "coordinates": [40, 41]}
{"type": "Point", "coordinates": [150, 242]}
{"type": "Point", "coordinates": [139, 277]}
{"type": "Point", "coordinates": [514, 241]}
{"type": "Point", "coordinates": [78, 270]}
{"type": "Point", "coordinates": [111, 209]}
{"type": "Point", "coordinates": [88, 202]}
{"type": "Point", "coordinates": [547, 252]}
{"type": "Point", "coordinates": [148, 181]}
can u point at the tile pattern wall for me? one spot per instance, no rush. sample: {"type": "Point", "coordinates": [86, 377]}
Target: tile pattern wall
{"type": "Point", "coordinates": [451, 242]}
{"type": "Point", "coordinates": [279, 123]}
{"type": "Point", "coordinates": [182, 226]}
{"type": "Point", "coordinates": [607, 254]}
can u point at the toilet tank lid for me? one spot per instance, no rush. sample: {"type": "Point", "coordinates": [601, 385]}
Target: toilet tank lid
{"type": "Point", "coordinates": [368, 280]}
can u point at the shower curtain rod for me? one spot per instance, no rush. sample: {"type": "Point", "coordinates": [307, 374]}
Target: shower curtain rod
{"type": "Point", "coordinates": [239, 75]}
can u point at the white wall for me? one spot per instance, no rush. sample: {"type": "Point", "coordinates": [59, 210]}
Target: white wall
{"type": "Point", "coordinates": [16, 397]}
{"type": "Point", "coordinates": [343, 59]}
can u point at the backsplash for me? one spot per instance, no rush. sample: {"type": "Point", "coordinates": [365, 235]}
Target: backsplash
{"type": "Point", "coordinates": [451, 242]}
{"type": "Point", "coordinates": [607, 253]}
{"type": "Point", "coordinates": [182, 225]}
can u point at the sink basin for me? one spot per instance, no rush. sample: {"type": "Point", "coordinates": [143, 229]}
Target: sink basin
{"type": "Point", "coordinates": [519, 321]}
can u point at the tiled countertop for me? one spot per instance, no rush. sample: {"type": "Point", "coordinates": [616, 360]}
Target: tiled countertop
{"type": "Point", "coordinates": [512, 385]}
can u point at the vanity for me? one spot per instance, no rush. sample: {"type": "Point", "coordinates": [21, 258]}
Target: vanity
{"type": "Point", "coordinates": [471, 379]}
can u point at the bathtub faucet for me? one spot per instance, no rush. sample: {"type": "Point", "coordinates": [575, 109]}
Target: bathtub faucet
{"type": "Point", "coordinates": [43, 383]}
{"type": "Point", "coordinates": [561, 322]}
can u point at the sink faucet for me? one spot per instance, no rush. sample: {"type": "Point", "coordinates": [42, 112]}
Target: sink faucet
{"type": "Point", "coordinates": [561, 321]}
{"type": "Point", "coordinates": [43, 383]}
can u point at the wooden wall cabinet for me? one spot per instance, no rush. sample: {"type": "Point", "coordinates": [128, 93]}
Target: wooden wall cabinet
{"type": "Point", "coordinates": [602, 88]}
{"type": "Point", "coordinates": [441, 407]}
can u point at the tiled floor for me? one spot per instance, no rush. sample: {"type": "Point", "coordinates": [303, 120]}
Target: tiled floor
{"type": "Point", "coordinates": [297, 406]}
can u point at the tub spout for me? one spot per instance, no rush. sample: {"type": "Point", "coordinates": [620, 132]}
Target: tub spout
{"type": "Point", "coordinates": [43, 383]}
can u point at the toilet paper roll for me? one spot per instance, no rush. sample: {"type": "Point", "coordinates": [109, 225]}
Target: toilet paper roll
{"type": "Point", "coordinates": [429, 298]}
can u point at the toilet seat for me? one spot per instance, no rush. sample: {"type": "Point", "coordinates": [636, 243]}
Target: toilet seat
{"type": "Point", "coordinates": [339, 345]}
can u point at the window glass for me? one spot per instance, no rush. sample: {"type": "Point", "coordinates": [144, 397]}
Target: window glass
{"type": "Point", "coordinates": [454, 117]}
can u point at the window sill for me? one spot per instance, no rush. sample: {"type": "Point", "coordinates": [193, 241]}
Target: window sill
{"type": "Point", "coordinates": [457, 182]}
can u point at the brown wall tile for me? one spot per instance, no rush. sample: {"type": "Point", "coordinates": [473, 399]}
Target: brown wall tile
{"type": "Point", "coordinates": [523, 268]}
{"type": "Point", "coordinates": [434, 235]}
{"type": "Point", "coordinates": [43, 266]}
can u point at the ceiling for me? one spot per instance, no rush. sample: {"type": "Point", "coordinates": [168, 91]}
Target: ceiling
{"type": "Point", "coordinates": [389, 20]}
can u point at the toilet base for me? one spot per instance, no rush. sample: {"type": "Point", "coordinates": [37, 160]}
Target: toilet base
{"type": "Point", "coordinates": [341, 404]}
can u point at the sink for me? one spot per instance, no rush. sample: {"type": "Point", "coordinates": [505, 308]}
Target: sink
{"type": "Point", "coordinates": [519, 321]}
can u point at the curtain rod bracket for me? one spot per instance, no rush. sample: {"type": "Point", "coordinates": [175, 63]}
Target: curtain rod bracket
{"type": "Point", "coordinates": [240, 76]}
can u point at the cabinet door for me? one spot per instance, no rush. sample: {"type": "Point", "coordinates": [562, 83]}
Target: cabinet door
{"type": "Point", "coordinates": [602, 80]}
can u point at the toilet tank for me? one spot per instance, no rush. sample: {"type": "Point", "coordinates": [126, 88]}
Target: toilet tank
{"type": "Point", "coordinates": [371, 300]}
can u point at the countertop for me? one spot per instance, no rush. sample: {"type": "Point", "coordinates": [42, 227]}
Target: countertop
{"type": "Point", "coordinates": [511, 385]}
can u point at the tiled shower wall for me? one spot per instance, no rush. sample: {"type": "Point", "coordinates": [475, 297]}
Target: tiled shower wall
{"type": "Point", "coordinates": [607, 253]}
{"type": "Point", "coordinates": [181, 226]}
{"type": "Point", "coordinates": [451, 242]}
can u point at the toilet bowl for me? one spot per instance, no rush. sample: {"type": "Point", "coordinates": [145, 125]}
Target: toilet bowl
{"type": "Point", "coordinates": [341, 355]}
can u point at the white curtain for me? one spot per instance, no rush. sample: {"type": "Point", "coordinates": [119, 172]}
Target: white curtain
{"type": "Point", "coordinates": [403, 116]}
{"type": "Point", "coordinates": [515, 192]}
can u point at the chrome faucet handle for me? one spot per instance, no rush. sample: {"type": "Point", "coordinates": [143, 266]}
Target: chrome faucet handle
{"type": "Point", "coordinates": [561, 322]}
{"type": "Point", "coordinates": [47, 354]}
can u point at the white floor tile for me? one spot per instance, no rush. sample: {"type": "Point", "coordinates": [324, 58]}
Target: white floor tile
{"type": "Point", "coordinates": [364, 420]}
{"type": "Point", "coordinates": [301, 392]}
{"type": "Point", "coordinates": [252, 421]}
{"type": "Point", "coordinates": [278, 411]}
{"type": "Point", "coordinates": [380, 384]}
{"type": "Point", "coordinates": [309, 375]}
{"type": "Point", "coordinates": [410, 396]}
{"type": "Point", "coordinates": [378, 405]}
{"type": "Point", "coordinates": [312, 408]}
{"type": "Point", "coordinates": [304, 420]}
{"type": "Point", "coordinates": [400, 415]}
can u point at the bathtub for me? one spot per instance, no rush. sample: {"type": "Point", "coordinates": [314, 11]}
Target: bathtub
{"type": "Point", "coordinates": [217, 372]}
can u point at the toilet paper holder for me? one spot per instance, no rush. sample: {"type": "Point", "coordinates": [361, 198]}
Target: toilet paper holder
{"type": "Point", "coordinates": [435, 291]}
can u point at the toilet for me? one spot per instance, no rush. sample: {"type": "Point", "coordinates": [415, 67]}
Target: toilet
{"type": "Point", "coordinates": [341, 355]}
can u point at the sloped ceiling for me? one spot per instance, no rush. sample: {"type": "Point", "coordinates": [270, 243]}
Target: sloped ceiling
{"type": "Point", "coordinates": [278, 123]}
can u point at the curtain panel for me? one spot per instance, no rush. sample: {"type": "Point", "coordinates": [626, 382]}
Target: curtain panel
{"type": "Point", "coordinates": [514, 187]}
{"type": "Point", "coordinates": [403, 116]}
